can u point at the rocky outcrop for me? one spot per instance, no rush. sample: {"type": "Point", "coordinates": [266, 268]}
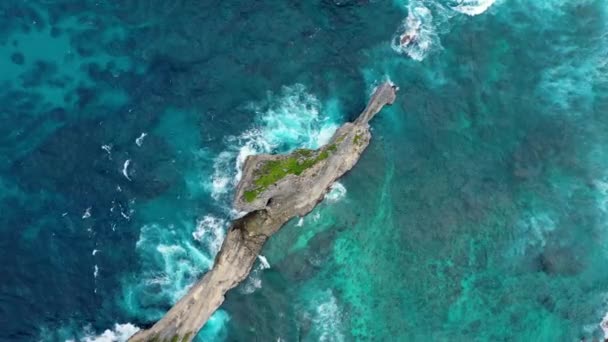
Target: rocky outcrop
{"type": "Point", "coordinates": [273, 189]}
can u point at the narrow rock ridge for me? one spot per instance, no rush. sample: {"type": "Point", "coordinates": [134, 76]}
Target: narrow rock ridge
{"type": "Point", "coordinates": [273, 189]}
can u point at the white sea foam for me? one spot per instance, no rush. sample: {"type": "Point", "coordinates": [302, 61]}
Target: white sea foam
{"type": "Point", "coordinates": [95, 271]}
{"type": "Point", "coordinates": [172, 261]}
{"type": "Point", "coordinates": [221, 175]}
{"type": "Point", "coordinates": [425, 21]}
{"type": "Point", "coordinates": [293, 120]}
{"type": "Point", "coordinates": [210, 232]}
{"type": "Point", "coordinates": [328, 320]}
{"type": "Point", "coordinates": [253, 282]}
{"type": "Point", "coordinates": [473, 7]}
{"type": "Point", "coordinates": [178, 270]}
{"type": "Point", "coordinates": [602, 199]}
{"type": "Point", "coordinates": [284, 122]}
{"type": "Point", "coordinates": [125, 170]}
{"type": "Point", "coordinates": [336, 193]}
{"type": "Point", "coordinates": [125, 215]}
{"type": "Point", "coordinates": [140, 140]}
{"type": "Point", "coordinates": [120, 333]}
{"type": "Point", "coordinates": [418, 23]}
{"type": "Point", "coordinates": [604, 325]}
{"type": "Point", "coordinates": [300, 222]}
{"type": "Point", "coordinates": [87, 213]}
{"type": "Point", "coordinates": [108, 149]}
{"type": "Point", "coordinates": [264, 262]}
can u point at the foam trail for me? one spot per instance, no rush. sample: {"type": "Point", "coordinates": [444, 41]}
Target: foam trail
{"type": "Point", "coordinates": [125, 167]}
{"type": "Point", "coordinates": [253, 282]}
{"type": "Point", "coordinates": [120, 333]}
{"type": "Point", "coordinates": [337, 192]}
{"type": "Point", "coordinates": [108, 149]}
{"type": "Point", "coordinates": [473, 7]}
{"type": "Point", "coordinates": [139, 141]}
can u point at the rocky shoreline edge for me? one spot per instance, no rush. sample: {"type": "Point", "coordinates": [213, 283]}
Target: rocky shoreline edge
{"type": "Point", "coordinates": [273, 190]}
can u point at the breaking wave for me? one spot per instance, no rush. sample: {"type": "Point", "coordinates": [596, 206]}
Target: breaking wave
{"type": "Point", "coordinates": [75, 332]}
{"type": "Point", "coordinates": [419, 22]}
{"type": "Point", "coordinates": [254, 280]}
{"type": "Point", "coordinates": [286, 121]}
{"type": "Point", "coordinates": [327, 319]}
{"type": "Point", "coordinates": [171, 261]}
{"type": "Point", "coordinates": [427, 20]}
{"type": "Point", "coordinates": [336, 193]}
{"type": "Point", "coordinates": [120, 333]}
{"type": "Point", "coordinates": [472, 7]}
{"type": "Point", "coordinates": [210, 231]}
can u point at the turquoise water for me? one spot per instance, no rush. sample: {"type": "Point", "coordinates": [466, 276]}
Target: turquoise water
{"type": "Point", "coordinates": [477, 213]}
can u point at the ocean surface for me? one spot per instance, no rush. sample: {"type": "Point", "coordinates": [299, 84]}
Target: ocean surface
{"type": "Point", "coordinates": [478, 213]}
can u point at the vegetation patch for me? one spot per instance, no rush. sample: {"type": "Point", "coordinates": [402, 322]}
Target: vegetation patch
{"type": "Point", "coordinates": [357, 139]}
{"type": "Point", "coordinates": [275, 170]}
{"type": "Point", "coordinates": [304, 152]}
{"type": "Point", "coordinates": [250, 195]}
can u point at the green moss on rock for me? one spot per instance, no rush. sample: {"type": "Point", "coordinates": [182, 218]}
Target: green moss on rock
{"type": "Point", "coordinates": [357, 139]}
{"type": "Point", "coordinates": [274, 170]}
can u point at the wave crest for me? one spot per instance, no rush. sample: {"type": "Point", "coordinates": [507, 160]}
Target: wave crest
{"type": "Point", "coordinates": [120, 333]}
{"type": "Point", "coordinates": [472, 7]}
{"type": "Point", "coordinates": [336, 193]}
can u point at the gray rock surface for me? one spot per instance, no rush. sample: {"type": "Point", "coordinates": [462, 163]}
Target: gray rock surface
{"type": "Point", "coordinates": [273, 189]}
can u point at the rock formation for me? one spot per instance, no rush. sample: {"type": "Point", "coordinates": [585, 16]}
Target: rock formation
{"type": "Point", "coordinates": [273, 189]}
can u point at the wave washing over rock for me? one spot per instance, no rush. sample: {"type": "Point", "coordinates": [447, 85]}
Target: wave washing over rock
{"type": "Point", "coordinates": [120, 333]}
{"type": "Point", "coordinates": [285, 121]}
{"type": "Point", "coordinates": [427, 20]}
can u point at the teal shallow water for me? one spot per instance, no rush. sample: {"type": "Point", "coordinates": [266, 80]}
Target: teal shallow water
{"type": "Point", "coordinates": [477, 213]}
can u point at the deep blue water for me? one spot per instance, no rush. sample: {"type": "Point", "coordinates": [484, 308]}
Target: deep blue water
{"type": "Point", "coordinates": [477, 213]}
